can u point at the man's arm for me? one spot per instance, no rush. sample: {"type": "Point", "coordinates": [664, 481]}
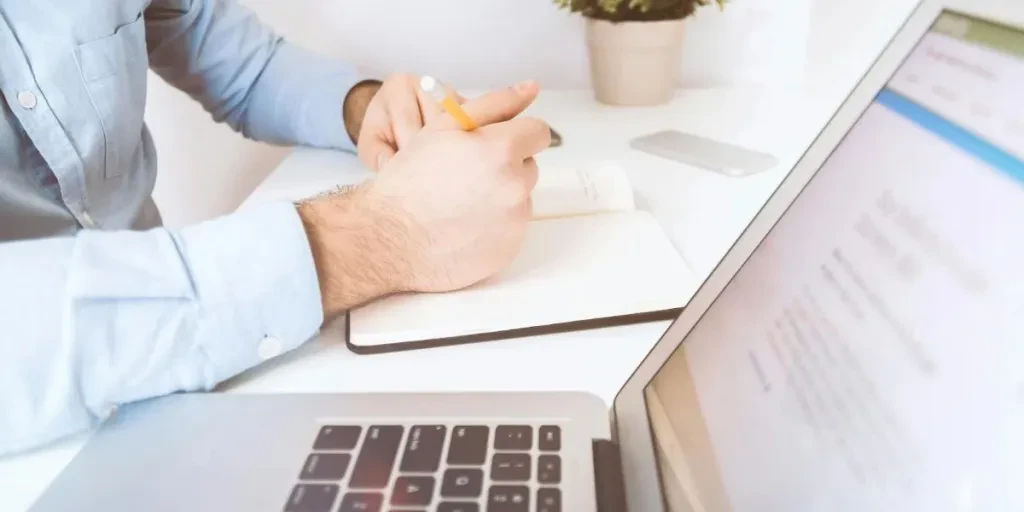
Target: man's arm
{"type": "Point", "coordinates": [100, 319]}
{"type": "Point", "coordinates": [245, 75]}
{"type": "Point", "coordinates": [105, 318]}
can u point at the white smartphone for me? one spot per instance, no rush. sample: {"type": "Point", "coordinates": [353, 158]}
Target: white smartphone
{"type": "Point", "coordinates": [706, 153]}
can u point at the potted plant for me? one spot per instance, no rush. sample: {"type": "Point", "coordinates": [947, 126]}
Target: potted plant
{"type": "Point", "coordinates": [634, 46]}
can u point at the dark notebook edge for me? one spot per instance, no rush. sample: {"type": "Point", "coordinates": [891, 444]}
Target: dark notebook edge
{"type": "Point", "coordinates": [522, 332]}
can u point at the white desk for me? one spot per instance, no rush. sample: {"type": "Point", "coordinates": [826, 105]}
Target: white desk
{"type": "Point", "coordinates": [703, 213]}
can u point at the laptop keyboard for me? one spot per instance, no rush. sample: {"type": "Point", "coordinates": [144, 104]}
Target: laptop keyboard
{"type": "Point", "coordinates": [460, 468]}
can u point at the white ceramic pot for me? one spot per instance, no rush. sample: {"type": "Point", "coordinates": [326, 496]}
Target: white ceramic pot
{"type": "Point", "coordinates": [634, 62]}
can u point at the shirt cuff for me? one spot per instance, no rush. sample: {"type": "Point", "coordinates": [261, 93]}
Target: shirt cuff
{"type": "Point", "coordinates": [266, 292]}
{"type": "Point", "coordinates": [298, 99]}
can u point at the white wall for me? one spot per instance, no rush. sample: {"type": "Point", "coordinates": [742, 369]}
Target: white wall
{"type": "Point", "coordinates": [206, 170]}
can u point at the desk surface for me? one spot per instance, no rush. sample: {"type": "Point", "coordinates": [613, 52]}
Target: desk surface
{"type": "Point", "coordinates": [702, 212]}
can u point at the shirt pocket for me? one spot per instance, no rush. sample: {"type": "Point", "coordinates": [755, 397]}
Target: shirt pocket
{"type": "Point", "coordinates": [114, 71]}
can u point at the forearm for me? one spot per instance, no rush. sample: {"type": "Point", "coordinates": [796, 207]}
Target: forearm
{"type": "Point", "coordinates": [247, 76]}
{"type": "Point", "coordinates": [307, 99]}
{"type": "Point", "coordinates": [107, 318]}
{"type": "Point", "coordinates": [360, 245]}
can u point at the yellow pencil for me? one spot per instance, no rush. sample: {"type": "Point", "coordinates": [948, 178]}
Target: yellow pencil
{"type": "Point", "coordinates": [436, 90]}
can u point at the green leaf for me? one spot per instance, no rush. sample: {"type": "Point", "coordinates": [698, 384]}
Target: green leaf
{"type": "Point", "coordinates": [635, 10]}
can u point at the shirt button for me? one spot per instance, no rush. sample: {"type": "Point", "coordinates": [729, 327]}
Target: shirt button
{"type": "Point", "coordinates": [87, 220]}
{"type": "Point", "coordinates": [107, 410]}
{"type": "Point", "coordinates": [269, 348]}
{"type": "Point", "coordinates": [27, 99]}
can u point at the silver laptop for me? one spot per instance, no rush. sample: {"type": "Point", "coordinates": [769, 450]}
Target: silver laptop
{"type": "Point", "coordinates": [861, 347]}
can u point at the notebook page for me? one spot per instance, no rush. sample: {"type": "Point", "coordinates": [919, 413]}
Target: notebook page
{"type": "Point", "coordinates": [570, 269]}
{"type": "Point", "coordinates": [582, 190]}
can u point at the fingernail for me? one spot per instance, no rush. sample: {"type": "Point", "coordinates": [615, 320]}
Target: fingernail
{"type": "Point", "coordinates": [381, 160]}
{"type": "Point", "coordinates": [525, 86]}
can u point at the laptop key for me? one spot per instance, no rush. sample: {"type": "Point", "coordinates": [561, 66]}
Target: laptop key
{"type": "Point", "coordinates": [423, 448]}
{"type": "Point", "coordinates": [468, 445]}
{"type": "Point", "coordinates": [462, 483]}
{"type": "Point", "coordinates": [412, 490]}
{"type": "Point", "coordinates": [549, 499]}
{"type": "Point", "coordinates": [337, 437]}
{"type": "Point", "coordinates": [510, 467]}
{"type": "Point", "coordinates": [550, 438]}
{"type": "Point", "coordinates": [457, 506]}
{"type": "Point", "coordinates": [362, 502]}
{"type": "Point", "coordinates": [376, 457]}
{"type": "Point", "coordinates": [508, 498]}
{"type": "Point", "coordinates": [325, 466]}
{"type": "Point", "coordinates": [549, 469]}
{"type": "Point", "coordinates": [513, 437]}
{"type": "Point", "coordinates": [312, 498]}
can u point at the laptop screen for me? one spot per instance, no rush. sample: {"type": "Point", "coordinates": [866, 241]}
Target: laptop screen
{"type": "Point", "coordinates": [869, 354]}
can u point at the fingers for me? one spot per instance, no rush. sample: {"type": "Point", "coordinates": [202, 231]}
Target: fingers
{"type": "Point", "coordinates": [410, 112]}
{"type": "Point", "coordinates": [406, 117]}
{"type": "Point", "coordinates": [405, 109]}
{"type": "Point", "coordinates": [520, 138]}
{"type": "Point", "coordinates": [455, 94]}
{"type": "Point", "coordinates": [497, 106]}
{"type": "Point", "coordinates": [430, 109]}
{"type": "Point", "coordinates": [375, 152]}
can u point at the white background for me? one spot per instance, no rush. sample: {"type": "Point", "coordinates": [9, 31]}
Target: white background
{"type": "Point", "coordinates": [206, 170]}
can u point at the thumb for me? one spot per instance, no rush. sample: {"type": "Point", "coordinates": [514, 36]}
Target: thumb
{"type": "Point", "coordinates": [499, 106]}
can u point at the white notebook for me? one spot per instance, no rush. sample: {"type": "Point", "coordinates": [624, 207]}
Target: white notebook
{"type": "Point", "coordinates": [590, 259]}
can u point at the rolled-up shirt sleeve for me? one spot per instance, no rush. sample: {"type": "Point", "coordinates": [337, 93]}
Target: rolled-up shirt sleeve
{"type": "Point", "coordinates": [247, 76]}
{"type": "Point", "coordinates": [101, 319]}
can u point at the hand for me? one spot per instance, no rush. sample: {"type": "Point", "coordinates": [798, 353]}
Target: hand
{"type": "Point", "coordinates": [394, 114]}
{"type": "Point", "coordinates": [448, 211]}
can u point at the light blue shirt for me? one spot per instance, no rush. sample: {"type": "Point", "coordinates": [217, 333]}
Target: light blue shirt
{"type": "Point", "coordinates": [99, 305]}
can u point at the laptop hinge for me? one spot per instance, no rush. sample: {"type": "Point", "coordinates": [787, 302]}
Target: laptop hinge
{"type": "Point", "coordinates": [608, 482]}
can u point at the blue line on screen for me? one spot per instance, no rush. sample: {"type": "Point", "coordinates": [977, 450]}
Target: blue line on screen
{"type": "Point", "coordinates": [954, 134]}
